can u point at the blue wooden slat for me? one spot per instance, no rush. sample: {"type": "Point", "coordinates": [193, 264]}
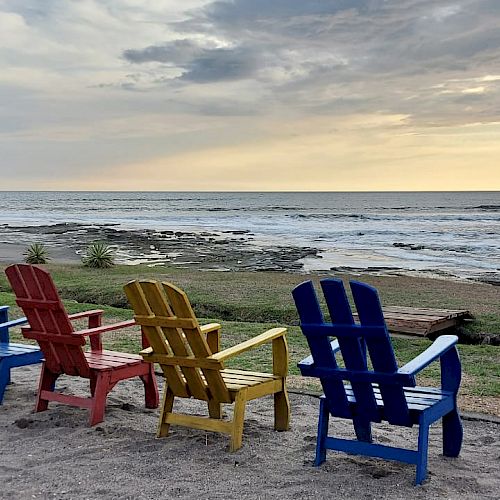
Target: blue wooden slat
{"type": "Point", "coordinates": [357, 376]}
{"type": "Point", "coordinates": [372, 450]}
{"type": "Point", "coordinates": [4, 329]}
{"type": "Point", "coordinates": [352, 349]}
{"type": "Point", "coordinates": [381, 351]}
{"type": "Point", "coordinates": [346, 331]}
{"type": "Point", "coordinates": [310, 312]}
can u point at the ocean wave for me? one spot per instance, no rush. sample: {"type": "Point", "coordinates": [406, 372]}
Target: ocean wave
{"type": "Point", "coordinates": [486, 208]}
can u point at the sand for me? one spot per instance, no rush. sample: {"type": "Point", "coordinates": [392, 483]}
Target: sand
{"type": "Point", "coordinates": [54, 454]}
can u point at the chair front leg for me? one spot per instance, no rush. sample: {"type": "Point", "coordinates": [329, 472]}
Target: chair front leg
{"type": "Point", "coordinates": [423, 443]}
{"type": "Point", "coordinates": [95, 340]}
{"type": "Point", "coordinates": [102, 387]}
{"type": "Point", "coordinates": [238, 420]}
{"type": "Point", "coordinates": [280, 368]}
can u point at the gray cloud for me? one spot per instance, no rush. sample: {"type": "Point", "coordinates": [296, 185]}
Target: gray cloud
{"type": "Point", "coordinates": [176, 52]}
{"type": "Point", "coordinates": [198, 64]}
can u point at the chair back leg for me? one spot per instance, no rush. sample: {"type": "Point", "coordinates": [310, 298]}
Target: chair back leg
{"type": "Point", "coordinates": [166, 408]}
{"type": "Point", "coordinates": [214, 409]}
{"type": "Point", "coordinates": [150, 388]}
{"type": "Point", "coordinates": [47, 383]}
{"type": "Point", "coordinates": [324, 417]}
{"type": "Point", "coordinates": [281, 411]}
{"type": "Point", "coordinates": [4, 377]}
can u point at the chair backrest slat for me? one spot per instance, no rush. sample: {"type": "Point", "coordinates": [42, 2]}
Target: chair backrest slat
{"type": "Point", "coordinates": [310, 313]}
{"type": "Point", "coordinates": [37, 296]}
{"type": "Point", "coordinates": [381, 352]}
{"type": "Point", "coordinates": [4, 330]}
{"type": "Point", "coordinates": [172, 329]}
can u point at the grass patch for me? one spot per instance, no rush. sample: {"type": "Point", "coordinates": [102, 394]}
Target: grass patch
{"type": "Point", "coordinates": [266, 296]}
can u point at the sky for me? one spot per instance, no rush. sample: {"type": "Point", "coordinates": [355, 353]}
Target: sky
{"type": "Point", "coordinates": [260, 95]}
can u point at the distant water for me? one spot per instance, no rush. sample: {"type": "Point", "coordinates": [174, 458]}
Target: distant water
{"type": "Point", "coordinates": [451, 233]}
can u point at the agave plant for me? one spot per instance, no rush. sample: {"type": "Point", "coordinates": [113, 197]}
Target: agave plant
{"type": "Point", "coordinates": [36, 253]}
{"type": "Point", "coordinates": [98, 255]}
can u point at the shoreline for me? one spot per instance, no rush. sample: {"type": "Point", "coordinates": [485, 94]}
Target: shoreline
{"type": "Point", "coordinates": [224, 251]}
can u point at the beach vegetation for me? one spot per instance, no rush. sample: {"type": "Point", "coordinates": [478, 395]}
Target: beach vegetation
{"type": "Point", "coordinates": [36, 253]}
{"type": "Point", "coordinates": [99, 255]}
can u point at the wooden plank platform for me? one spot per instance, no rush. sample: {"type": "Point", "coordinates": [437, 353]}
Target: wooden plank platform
{"type": "Point", "coordinates": [421, 321]}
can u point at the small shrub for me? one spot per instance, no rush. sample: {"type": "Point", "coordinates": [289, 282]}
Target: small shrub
{"type": "Point", "coordinates": [36, 254]}
{"type": "Point", "coordinates": [99, 256]}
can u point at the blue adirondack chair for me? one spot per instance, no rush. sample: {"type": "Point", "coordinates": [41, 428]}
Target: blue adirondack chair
{"type": "Point", "coordinates": [382, 393]}
{"type": "Point", "coordinates": [12, 355]}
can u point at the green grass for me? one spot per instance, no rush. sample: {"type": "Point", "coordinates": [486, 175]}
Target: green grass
{"type": "Point", "coordinates": [248, 303]}
{"type": "Point", "coordinates": [480, 363]}
{"type": "Point", "coordinates": [265, 296]}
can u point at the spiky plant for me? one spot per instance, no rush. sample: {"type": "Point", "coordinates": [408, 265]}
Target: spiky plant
{"type": "Point", "coordinates": [36, 253]}
{"type": "Point", "coordinates": [98, 255]}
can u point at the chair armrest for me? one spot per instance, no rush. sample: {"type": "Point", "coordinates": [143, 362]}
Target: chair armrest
{"type": "Point", "coordinates": [14, 322]}
{"type": "Point", "coordinates": [85, 314]}
{"type": "Point", "coordinates": [309, 360]}
{"type": "Point", "coordinates": [212, 330]}
{"type": "Point", "coordinates": [263, 338]}
{"type": "Point", "coordinates": [439, 347]}
{"type": "Point", "coordinates": [211, 327]}
{"type": "Point", "coordinates": [105, 328]}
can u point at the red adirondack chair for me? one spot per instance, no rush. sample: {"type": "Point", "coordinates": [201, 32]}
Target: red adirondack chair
{"type": "Point", "coordinates": [62, 346]}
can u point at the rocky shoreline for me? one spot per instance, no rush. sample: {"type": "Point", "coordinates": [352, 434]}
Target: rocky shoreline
{"type": "Point", "coordinates": [214, 251]}
{"type": "Point", "coordinates": [236, 250]}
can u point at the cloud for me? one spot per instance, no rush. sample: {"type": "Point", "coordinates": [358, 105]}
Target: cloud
{"type": "Point", "coordinates": [88, 84]}
{"type": "Point", "coordinates": [199, 64]}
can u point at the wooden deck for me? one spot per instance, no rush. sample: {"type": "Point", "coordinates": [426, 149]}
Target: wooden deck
{"type": "Point", "coordinates": [420, 321]}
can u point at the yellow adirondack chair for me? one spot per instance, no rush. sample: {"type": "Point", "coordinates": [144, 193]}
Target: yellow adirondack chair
{"type": "Point", "coordinates": [194, 367]}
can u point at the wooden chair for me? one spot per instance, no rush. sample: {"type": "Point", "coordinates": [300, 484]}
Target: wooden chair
{"type": "Point", "coordinates": [194, 367]}
{"type": "Point", "coordinates": [382, 393]}
{"type": "Point", "coordinates": [62, 346]}
{"type": "Point", "coordinates": [13, 355]}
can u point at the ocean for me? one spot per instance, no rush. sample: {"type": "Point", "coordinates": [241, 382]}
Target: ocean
{"type": "Point", "coordinates": [447, 233]}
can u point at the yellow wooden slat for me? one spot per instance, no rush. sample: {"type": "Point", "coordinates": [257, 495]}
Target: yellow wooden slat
{"type": "Point", "coordinates": [155, 337]}
{"type": "Point", "coordinates": [203, 423]}
{"type": "Point", "coordinates": [197, 341]}
{"type": "Point", "coordinates": [189, 361]}
{"type": "Point", "coordinates": [165, 321]}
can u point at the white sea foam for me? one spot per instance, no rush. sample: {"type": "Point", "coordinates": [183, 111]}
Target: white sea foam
{"type": "Point", "coordinates": [455, 233]}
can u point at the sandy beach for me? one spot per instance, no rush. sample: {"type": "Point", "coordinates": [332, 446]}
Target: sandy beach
{"type": "Point", "coordinates": [54, 454]}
